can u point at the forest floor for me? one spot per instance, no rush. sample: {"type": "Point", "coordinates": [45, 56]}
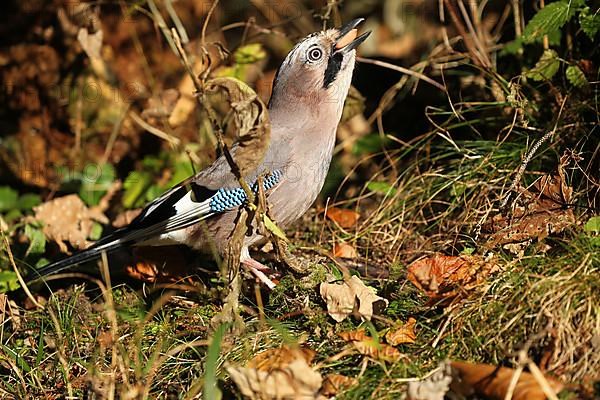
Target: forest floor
{"type": "Point", "coordinates": [454, 250]}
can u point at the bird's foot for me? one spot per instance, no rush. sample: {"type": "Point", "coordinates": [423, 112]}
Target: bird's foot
{"type": "Point", "coordinates": [257, 269]}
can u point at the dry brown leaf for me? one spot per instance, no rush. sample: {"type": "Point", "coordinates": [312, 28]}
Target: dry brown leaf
{"type": "Point", "coordinates": [538, 212]}
{"type": "Point", "coordinates": [67, 219]}
{"type": "Point", "coordinates": [354, 336]}
{"type": "Point", "coordinates": [344, 218]}
{"type": "Point", "coordinates": [278, 374]}
{"type": "Point", "coordinates": [344, 250]}
{"type": "Point", "coordinates": [333, 384]}
{"type": "Point", "coordinates": [368, 301]}
{"type": "Point", "coordinates": [368, 346]}
{"type": "Point", "coordinates": [441, 276]}
{"type": "Point", "coordinates": [493, 382]}
{"type": "Point", "coordinates": [405, 333]}
{"type": "Point", "coordinates": [377, 351]}
{"type": "Point", "coordinates": [159, 264]}
{"type": "Point", "coordinates": [250, 120]}
{"type": "Point", "coordinates": [342, 299]}
{"type": "Point", "coordinates": [278, 358]}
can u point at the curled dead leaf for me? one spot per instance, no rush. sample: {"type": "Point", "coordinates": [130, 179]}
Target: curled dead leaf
{"type": "Point", "coordinates": [68, 220]}
{"type": "Point", "coordinates": [278, 358]}
{"type": "Point", "coordinates": [404, 333]}
{"type": "Point", "coordinates": [441, 276]}
{"type": "Point", "coordinates": [340, 300]}
{"type": "Point", "coordinates": [343, 299]}
{"type": "Point", "coordinates": [493, 382]}
{"type": "Point", "coordinates": [250, 119]}
{"type": "Point", "coordinates": [368, 346]}
{"type": "Point", "coordinates": [354, 336]}
{"type": "Point", "coordinates": [344, 250]}
{"type": "Point", "coordinates": [159, 264]}
{"type": "Point", "coordinates": [377, 351]}
{"type": "Point", "coordinates": [344, 218]}
{"type": "Point", "coordinates": [537, 213]}
{"type": "Point", "coordinates": [278, 374]}
{"type": "Point", "coordinates": [333, 384]}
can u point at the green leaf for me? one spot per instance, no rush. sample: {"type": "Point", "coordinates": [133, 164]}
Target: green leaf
{"type": "Point", "coordinates": [96, 231]}
{"type": "Point", "coordinates": [590, 23]}
{"type": "Point", "coordinates": [8, 198]}
{"type": "Point", "coordinates": [249, 54]}
{"type": "Point", "coordinates": [135, 186]}
{"type": "Point", "coordinates": [37, 240]}
{"type": "Point", "coordinates": [382, 187]}
{"type": "Point", "coordinates": [273, 228]}
{"type": "Point", "coordinates": [548, 20]}
{"type": "Point", "coordinates": [593, 225]}
{"type": "Point", "coordinates": [513, 47]}
{"type": "Point", "coordinates": [369, 144]}
{"type": "Point", "coordinates": [576, 76]}
{"type": "Point", "coordinates": [8, 281]}
{"type": "Point", "coordinates": [211, 390]}
{"type": "Point", "coordinates": [28, 201]}
{"type": "Point", "coordinates": [95, 182]}
{"type": "Point", "coordinates": [181, 171]}
{"type": "Point", "coordinates": [546, 67]}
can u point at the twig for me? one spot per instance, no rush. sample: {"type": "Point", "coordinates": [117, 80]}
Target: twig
{"type": "Point", "coordinates": [469, 42]}
{"type": "Point", "coordinates": [403, 70]}
{"type": "Point", "coordinates": [177, 21]}
{"type": "Point", "coordinates": [153, 130]}
{"type": "Point", "coordinates": [205, 24]}
{"type": "Point", "coordinates": [516, 6]}
{"type": "Point", "coordinates": [530, 155]}
{"type": "Point", "coordinates": [204, 103]}
{"type": "Point", "coordinates": [19, 277]}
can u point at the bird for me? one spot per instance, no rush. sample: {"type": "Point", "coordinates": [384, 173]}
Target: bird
{"type": "Point", "coordinates": [305, 108]}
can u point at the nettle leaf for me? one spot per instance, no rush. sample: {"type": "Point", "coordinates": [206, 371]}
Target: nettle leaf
{"type": "Point", "coordinates": [369, 144]}
{"type": "Point", "coordinates": [548, 20]}
{"type": "Point", "coordinates": [8, 198]}
{"type": "Point", "coordinates": [135, 186]}
{"type": "Point", "coordinates": [37, 240]}
{"type": "Point", "coordinates": [592, 225]}
{"type": "Point", "coordinates": [590, 22]}
{"type": "Point", "coordinates": [382, 188]}
{"type": "Point", "coordinates": [28, 201]}
{"type": "Point", "coordinates": [249, 54]}
{"type": "Point", "coordinates": [8, 281]}
{"type": "Point", "coordinates": [546, 67]}
{"type": "Point", "coordinates": [95, 182]}
{"type": "Point", "coordinates": [576, 76]}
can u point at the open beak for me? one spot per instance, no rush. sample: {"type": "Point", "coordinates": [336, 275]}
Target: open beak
{"type": "Point", "coordinates": [348, 38]}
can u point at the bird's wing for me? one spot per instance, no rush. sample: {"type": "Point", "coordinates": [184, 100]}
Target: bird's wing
{"type": "Point", "coordinates": [212, 191]}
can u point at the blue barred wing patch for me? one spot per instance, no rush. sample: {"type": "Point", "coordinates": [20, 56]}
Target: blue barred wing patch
{"type": "Point", "coordinates": [227, 199]}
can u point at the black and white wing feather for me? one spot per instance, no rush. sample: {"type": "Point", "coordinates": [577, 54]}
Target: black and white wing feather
{"type": "Point", "coordinates": [184, 205]}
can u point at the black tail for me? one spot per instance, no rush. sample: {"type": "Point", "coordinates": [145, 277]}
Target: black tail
{"type": "Point", "coordinates": [108, 245]}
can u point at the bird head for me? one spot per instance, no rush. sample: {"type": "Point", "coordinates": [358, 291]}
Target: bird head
{"type": "Point", "coordinates": [318, 69]}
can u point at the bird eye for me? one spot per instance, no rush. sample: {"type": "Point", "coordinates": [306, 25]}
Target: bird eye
{"type": "Point", "coordinates": [315, 54]}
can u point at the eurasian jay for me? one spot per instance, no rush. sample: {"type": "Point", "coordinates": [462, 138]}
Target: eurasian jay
{"type": "Point", "coordinates": [305, 109]}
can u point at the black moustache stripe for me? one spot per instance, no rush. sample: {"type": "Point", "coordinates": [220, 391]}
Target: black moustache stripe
{"type": "Point", "coordinates": [333, 68]}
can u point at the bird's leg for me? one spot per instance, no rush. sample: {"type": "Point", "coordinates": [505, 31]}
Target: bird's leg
{"type": "Point", "coordinates": [256, 268]}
